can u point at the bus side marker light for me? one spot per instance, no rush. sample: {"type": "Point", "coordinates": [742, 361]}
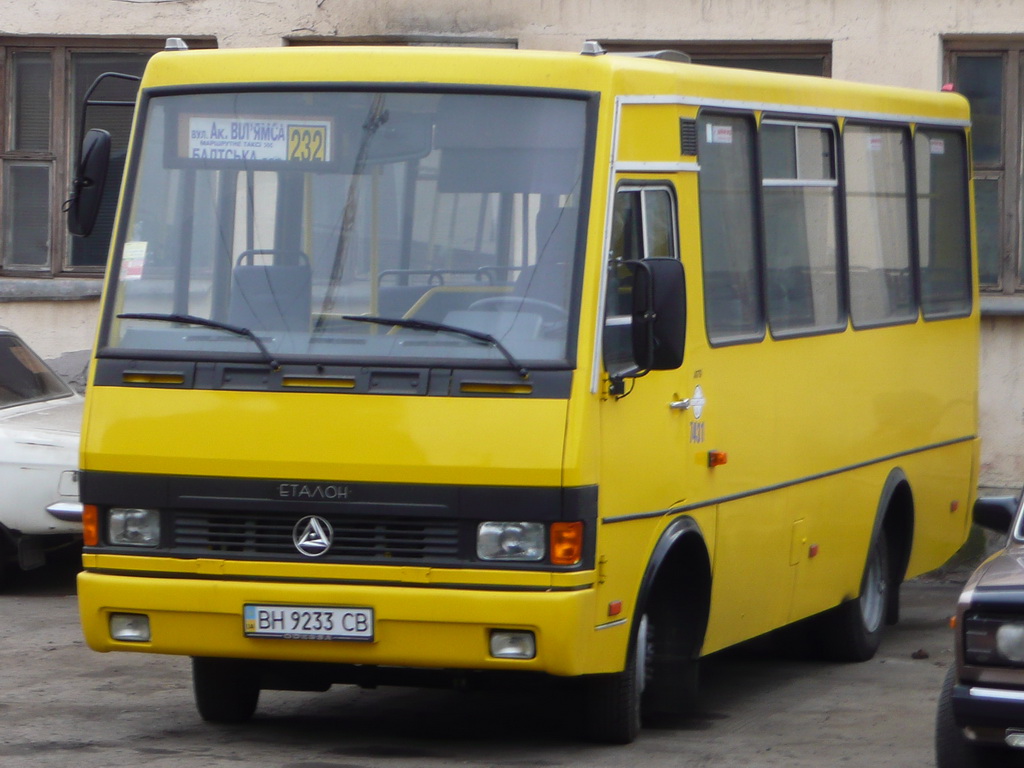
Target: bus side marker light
{"type": "Point", "coordinates": [130, 627]}
{"type": "Point", "coordinates": [717, 458]}
{"type": "Point", "coordinates": [510, 644]}
{"type": "Point", "coordinates": [614, 607]}
{"type": "Point", "coordinates": [813, 551]}
{"type": "Point", "coordinates": [90, 525]}
{"type": "Point", "coordinates": [566, 543]}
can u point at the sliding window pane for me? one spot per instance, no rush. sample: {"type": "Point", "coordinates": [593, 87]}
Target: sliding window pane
{"type": "Point", "coordinates": [943, 231]}
{"type": "Point", "coordinates": [980, 79]}
{"type": "Point", "coordinates": [878, 231]}
{"type": "Point", "coordinates": [27, 221]}
{"type": "Point", "coordinates": [802, 282]}
{"type": "Point", "coordinates": [986, 213]}
{"type": "Point", "coordinates": [32, 77]}
{"type": "Point", "coordinates": [729, 228]}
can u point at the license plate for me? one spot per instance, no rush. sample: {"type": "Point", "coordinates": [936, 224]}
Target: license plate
{"type": "Point", "coordinates": [304, 622]}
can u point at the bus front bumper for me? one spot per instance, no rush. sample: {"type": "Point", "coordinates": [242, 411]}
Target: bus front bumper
{"type": "Point", "coordinates": [413, 626]}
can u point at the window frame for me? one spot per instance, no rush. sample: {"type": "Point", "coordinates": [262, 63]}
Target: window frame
{"type": "Point", "coordinates": [837, 128]}
{"type": "Point", "coordinates": [736, 53]}
{"type": "Point", "coordinates": [913, 247]}
{"type": "Point", "coordinates": [759, 328]}
{"type": "Point", "coordinates": [1007, 173]}
{"type": "Point", "coordinates": [835, 183]}
{"type": "Point", "coordinates": [613, 366]}
{"type": "Point", "coordinates": [60, 155]}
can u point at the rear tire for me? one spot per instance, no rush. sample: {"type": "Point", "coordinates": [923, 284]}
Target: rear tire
{"type": "Point", "coordinates": [226, 690]}
{"type": "Point", "coordinates": [612, 706]}
{"type": "Point", "coordinates": [852, 631]}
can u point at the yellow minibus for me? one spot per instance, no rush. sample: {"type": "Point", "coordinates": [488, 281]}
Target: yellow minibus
{"type": "Point", "coordinates": [423, 364]}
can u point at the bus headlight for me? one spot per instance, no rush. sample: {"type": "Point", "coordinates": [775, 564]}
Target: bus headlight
{"type": "Point", "coordinates": [510, 541]}
{"type": "Point", "coordinates": [133, 527]}
{"type": "Point", "coordinates": [994, 641]}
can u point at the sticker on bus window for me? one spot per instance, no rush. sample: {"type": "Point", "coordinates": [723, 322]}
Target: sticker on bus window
{"type": "Point", "coordinates": [258, 139]}
{"type": "Point", "coordinates": [937, 146]}
{"type": "Point", "coordinates": [133, 259]}
{"type": "Point", "coordinates": [719, 134]}
{"type": "Point", "coordinates": [875, 143]}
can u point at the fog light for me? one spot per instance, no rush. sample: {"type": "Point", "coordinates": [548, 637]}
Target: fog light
{"type": "Point", "coordinates": [1015, 739]}
{"type": "Point", "coordinates": [508, 644]}
{"type": "Point", "coordinates": [134, 527]}
{"type": "Point", "coordinates": [130, 627]}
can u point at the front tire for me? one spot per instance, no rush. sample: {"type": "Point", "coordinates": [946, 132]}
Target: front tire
{"type": "Point", "coordinates": [852, 631]}
{"type": "Point", "coordinates": [226, 690]}
{"type": "Point", "coordinates": [612, 706]}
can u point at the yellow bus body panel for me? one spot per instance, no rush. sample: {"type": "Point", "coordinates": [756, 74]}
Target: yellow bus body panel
{"type": "Point", "coordinates": [330, 436]}
{"type": "Point", "coordinates": [414, 626]}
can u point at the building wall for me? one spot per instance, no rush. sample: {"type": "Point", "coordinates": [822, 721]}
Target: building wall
{"type": "Point", "coordinates": [895, 42]}
{"type": "Point", "coordinates": [882, 41]}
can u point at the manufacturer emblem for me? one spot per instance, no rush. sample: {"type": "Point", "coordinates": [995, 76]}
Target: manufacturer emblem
{"type": "Point", "coordinates": [312, 536]}
{"type": "Point", "coordinates": [697, 402]}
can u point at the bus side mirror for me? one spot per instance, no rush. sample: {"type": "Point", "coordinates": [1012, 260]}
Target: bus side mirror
{"type": "Point", "coordinates": [659, 314]}
{"type": "Point", "coordinates": [90, 179]}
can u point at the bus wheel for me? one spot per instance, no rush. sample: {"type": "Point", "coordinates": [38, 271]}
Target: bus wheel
{"type": "Point", "coordinates": [852, 631]}
{"type": "Point", "coordinates": [612, 707]}
{"type": "Point", "coordinates": [226, 690]}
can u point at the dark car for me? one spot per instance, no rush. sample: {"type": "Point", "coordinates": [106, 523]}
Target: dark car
{"type": "Point", "coordinates": [980, 720]}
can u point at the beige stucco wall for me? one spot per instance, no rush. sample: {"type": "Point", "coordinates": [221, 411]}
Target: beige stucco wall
{"type": "Point", "coordinates": [52, 328]}
{"type": "Point", "coordinates": [884, 41]}
{"type": "Point", "coordinates": [896, 42]}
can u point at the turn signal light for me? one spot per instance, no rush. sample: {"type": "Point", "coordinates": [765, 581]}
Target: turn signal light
{"type": "Point", "coordinates": [566, 543]}
{"type": "Point", "coordinates": [90, 526]}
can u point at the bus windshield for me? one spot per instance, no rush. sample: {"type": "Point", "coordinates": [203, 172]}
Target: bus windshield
{"type": "Point", "coordinates": [296, 214]}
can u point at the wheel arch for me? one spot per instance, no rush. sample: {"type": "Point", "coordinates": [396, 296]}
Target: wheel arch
{"type": "Point", "coordinates": [678, 573]}
{"type": "Point", "coordinates": [895, 515]}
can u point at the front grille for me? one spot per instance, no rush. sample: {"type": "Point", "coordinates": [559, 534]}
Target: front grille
{"type": "Point", "coordinates": [355, 539]}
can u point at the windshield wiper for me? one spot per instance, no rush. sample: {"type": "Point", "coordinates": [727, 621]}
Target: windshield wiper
{"type": "Point", "coordinates": [430, 325]}
{"type": "Point", "coordinates": [207, 323]}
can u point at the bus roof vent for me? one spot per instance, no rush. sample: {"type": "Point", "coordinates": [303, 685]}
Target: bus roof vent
{"type": "Point", "coordinates": [175, 44]}
{"type": "Point", "coordinates": [665, 55]}
{"type": "Point", "coordinates": [592, 48]}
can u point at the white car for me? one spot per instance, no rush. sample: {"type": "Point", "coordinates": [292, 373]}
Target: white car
{"type": "Point", "coordinates": [40, 419]}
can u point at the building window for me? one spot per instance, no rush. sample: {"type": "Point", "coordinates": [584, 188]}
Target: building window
{"type": "Point", "coordinates": [42, 83]}
{"type": "Point", "coordinates": [989, 74]}
{"type": "Point", "coordinates": [806, 58]}
{"type": "Point", "coordinates": [436, 41]}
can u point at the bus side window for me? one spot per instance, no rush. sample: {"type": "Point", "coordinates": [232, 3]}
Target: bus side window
{"type": "Point", "coordinates": [943, 232]}
{"type": "Point", "coordinates": [729, 228]}
{"type": "Point", "coordinates": [643, 226]}
{"type": "Point", "coordinates": [878, 224]}
{"type": "Point", "coordinates": [801, 253]}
